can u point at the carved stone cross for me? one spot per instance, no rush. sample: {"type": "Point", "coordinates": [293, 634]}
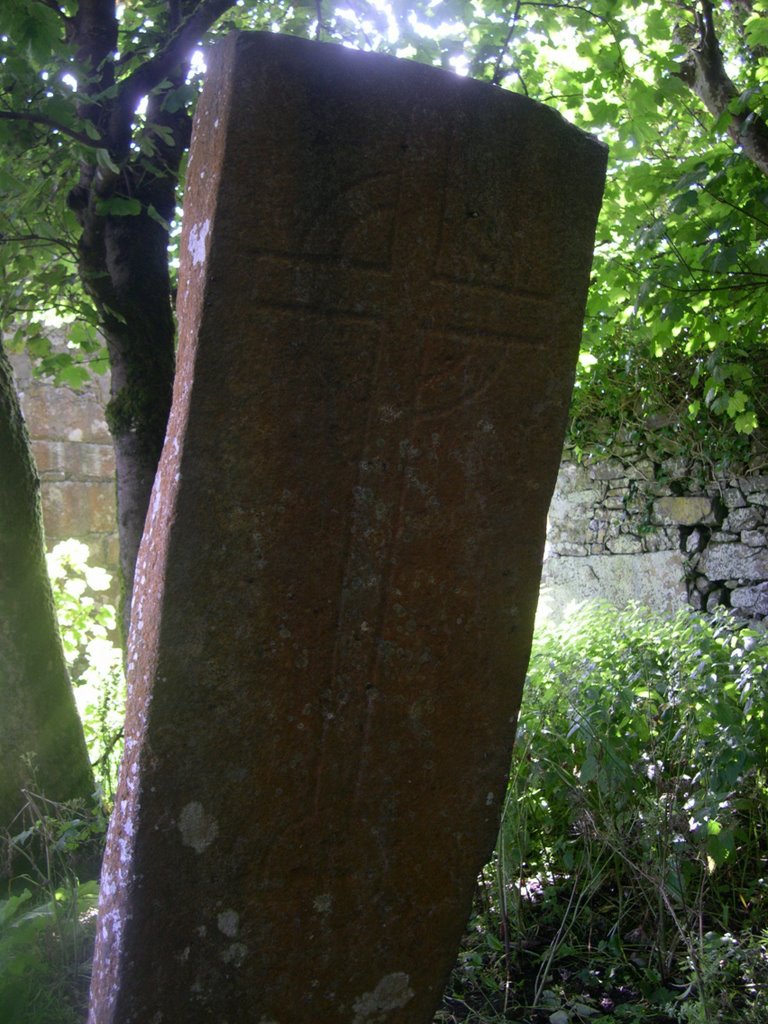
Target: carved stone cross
{"type": "Point", "coordinates": [384, 270]}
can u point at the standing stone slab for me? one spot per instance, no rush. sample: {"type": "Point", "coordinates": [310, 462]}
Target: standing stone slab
{"type": "Point", "coordinates": [383, 278]}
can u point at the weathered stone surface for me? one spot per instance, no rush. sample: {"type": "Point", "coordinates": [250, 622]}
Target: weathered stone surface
{"type": "Point", "coordinates": [752, 600]}
{"type": "Point", "coordinates": [742, 519]}
{"type": "Point", "coordinates": [624, 545]}
{"type": "Point", "coordinates": [688, 510]}
{"type": "Point", "coordinates": [607, 469]}
{"type": "Point", "coordinates": [383, 277]}
{"type": "Point", "coordinates": [654, 580]}
{"type": "Point", "coordinates": [734, 561]}
{"type": "Point", "coordinates": [75, 459]}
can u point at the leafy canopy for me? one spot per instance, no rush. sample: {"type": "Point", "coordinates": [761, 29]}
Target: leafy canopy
{"type": "Point", "coordinates": [680, 264]}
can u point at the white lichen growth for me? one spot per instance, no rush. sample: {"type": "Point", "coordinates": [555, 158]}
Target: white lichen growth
{"type": "Point", "coordinates": [197, 828]}
{"type": "Point", "coordinates": [235, 954]}
{"type": "Point", "coordinates": [229, 922]}
{"type": "Point", "coordinates": [392, 992]}
{"type": "Point", "coordinates": [322, 903]}
{"type": "Point", "coordinates": [196, 243]}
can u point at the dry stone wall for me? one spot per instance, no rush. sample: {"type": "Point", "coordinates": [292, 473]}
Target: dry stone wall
{"type": "Point", "coordinates": [621, 528]}
{"type": "Point", "coordinates": [660, 533]}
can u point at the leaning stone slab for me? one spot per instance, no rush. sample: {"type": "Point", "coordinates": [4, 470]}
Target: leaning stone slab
{"type": "Point", "coordinates": [383, 279]}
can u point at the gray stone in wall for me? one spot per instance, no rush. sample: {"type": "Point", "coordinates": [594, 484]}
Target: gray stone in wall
{"type": "Point", "coordinates": [734, 561]}
{"type": "Point", "coordinates": [733, 498]}
{"type": "Point", "coordinates": [660, 540]}
{"type": "Point", "coordinates": [688, 510]}
{"type": "Point", "coordinates": [654, 580]}
{"type": "Point", "coordinates": [757, 484]}
{"type": "Point", "coordinates": [643, 469]}
{"type": "Point", "coordinates": [752, 600]}
{"type": "Point", "coordinates": [625, 544]}
{"type": "Point", "coordinates": [675, 468]}
{"type": "Point", "coordinates": [744, 518]}
{"type": "Point", "coordinates": [754, 538]}
{"type": "Point", "coordinates": [608, 469]}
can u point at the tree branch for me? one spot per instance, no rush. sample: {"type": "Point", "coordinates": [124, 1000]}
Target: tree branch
{"type": "Point", "coordinates": [152, 72]}
{"type": "Point", "coordinates": [704, 73]}
{"type": "Point", "coordinates": [55, 7]}
{"type": "Point", "coordinates": [498, 73]}
{"type": "Point", "coordinates": [48, 122]}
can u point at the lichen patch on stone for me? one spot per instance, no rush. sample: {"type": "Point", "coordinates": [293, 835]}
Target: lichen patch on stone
{"type": "Point", "coordinates": [197, 828]}
{"type": "Point", "coordinates": [229, 922]}
{"type": "Point", "coordinates": [196, 243]}
{"type": "Point", "coordinates": [235, 954]}
{"type": "Point", "coordinates": [322, 903]}
{"type": "Point", "coordinates": [392, 992]}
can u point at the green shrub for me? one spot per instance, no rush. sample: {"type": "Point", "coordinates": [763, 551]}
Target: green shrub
{"type": "Point", "coordinates": [637, 804]}
{"type": "Point", "coordinates": [45, 951]}
{"type": "Point", "coordinates": [88, 631]}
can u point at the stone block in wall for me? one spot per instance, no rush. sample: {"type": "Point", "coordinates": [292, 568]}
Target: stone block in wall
{"type": "Point", "coordinates": [754, 538]}
{"type": "Point", "coordinates": [655, 580]}
{"type": "Point", "coordinates": [734, 561]}
{"type": "Point", "coordinates": [757, 484]}
{"type": "Point", "coordinates": [643, 469]}
{"type": "Point", "coordinates": [67, 460]}
{"type": "Point", "coordinates": [659, 540]}
{"type": "Point", "coordinates": [747, 518]}
{"type": "Point", "coordinates": [733, 498]}
{"type": "Point", "coordinates": [724, 537]}
{"type": "Point", "coordinates": [572, 550]}
{"type": "Point", "coordinates": [626, 544]}
{"type": "Point", "coordinates": [569, 503]}
{"type": "Point", "coordinates": [758, 498]}
{"type": "Point", "coordinates": [60, 414]}
{"type": "Point", "coordinates": [607, 469]}
{"type": "Point", "coordinates": [751, 600]}
{"type": "Point", "coordinates": [76, 508]}
{"type": "Point", "coordinates": [573, 477]}
{"type": "Point", "coordinates": [687, 510]}
{"type": "Point", "coordinates": [716, 598]}
{"type": "Point", "coordinates": [676, 468]}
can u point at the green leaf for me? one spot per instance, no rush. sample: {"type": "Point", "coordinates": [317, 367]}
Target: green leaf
{"type": "Point", "coordinates": [103, 159]}
{"type": "Point", "coordinates": [154, 215]}
{"type": "Point", "coordinates": [746, 422]}
{"type": "Point", "coordinates": [91, 130]}
{"type": "Point", "coordinates": [119, 206]}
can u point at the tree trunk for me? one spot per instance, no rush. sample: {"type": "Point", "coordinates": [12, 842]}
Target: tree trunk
{"type": "Point", "coordinates": [41, 737]}
{"type": "Point", "coordinates": [124, 264]}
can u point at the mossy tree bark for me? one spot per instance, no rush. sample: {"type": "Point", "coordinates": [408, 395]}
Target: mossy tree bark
{"type": "Point", "coordinates": [41, 737]}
